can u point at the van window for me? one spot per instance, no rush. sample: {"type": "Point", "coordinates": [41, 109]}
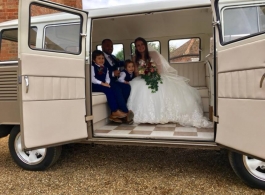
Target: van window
{"type": "Point", "coordinates": [184, 50]}
{"type": "Point", "coordinates": [9, 43]}
{"type": "Point", "coordinates": [118, 50]}
{"type": "Point", "coordinates": [154, 44]}
{"type": "Point", "coordinates": [57, 37]}
{"type": "Point", "coordinates": [63, 37]}
{"type": "Point", "coordinates": [239, 22]}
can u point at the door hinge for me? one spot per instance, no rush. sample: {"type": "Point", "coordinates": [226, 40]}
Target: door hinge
{"type": "Point", "coordinates": [215, 23]}
{"type": "Point", "coordinates": [89, 118]}
{"type": "Point", "coordinates": [83, 34]}
{"type": "Point", "coordinates": [19, 79]}
{"type": "Point", "coordinates": [216, 119]}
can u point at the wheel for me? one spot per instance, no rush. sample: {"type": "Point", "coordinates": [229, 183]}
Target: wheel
{"type": "Point", "coordinates": [250, 170]}
{"type": "Point", "coordinates": [33, 160]}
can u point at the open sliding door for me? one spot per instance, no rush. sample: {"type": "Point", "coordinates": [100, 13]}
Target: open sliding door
{"type": "Point", "coordinates": [240, 48]}
{"type": "Point", "coordinates": [52, 73]}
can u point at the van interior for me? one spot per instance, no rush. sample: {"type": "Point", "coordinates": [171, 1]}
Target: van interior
{"type": "Point", "coordinates": [184, 37]}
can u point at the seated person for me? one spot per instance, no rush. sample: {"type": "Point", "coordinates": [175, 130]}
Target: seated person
{"type": "Point", "coordinates": [128, 73]}
{"type": "Point", "coordinates": [101, 83]}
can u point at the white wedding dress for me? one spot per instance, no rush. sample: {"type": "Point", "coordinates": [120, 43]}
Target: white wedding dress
{"type": "Point", "coordinates": [175, 101]}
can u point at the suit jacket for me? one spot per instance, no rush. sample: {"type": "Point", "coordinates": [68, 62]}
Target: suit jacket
{"type": "Point", "coordinates": [117, 64]}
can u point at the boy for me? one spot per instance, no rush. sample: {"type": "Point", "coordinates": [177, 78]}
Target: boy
{"type": "Point", "coordinates": [100, 83]}
{"type": "Point", "coordinates": [128, 73]}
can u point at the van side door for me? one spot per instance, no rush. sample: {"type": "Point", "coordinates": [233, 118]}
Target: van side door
{"type": "Point", "coordinates": [240, 47]}
{"type": "Point", "coordinates": [52, 74]}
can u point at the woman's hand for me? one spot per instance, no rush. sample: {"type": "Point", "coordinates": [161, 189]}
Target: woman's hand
{"type": "Point", "coordinates": [105, 84]}
{"type": "Point", "coordinates": [136, 71]}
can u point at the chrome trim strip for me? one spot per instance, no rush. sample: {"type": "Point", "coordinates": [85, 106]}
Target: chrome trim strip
{"type": "Point", "coordinates": [5, 63]}
{"type": "Point", "coordinates": [159, 143]}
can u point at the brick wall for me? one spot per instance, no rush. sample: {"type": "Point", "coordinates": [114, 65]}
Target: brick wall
{"type": "Point", "coordinates": [9, 11]}
{"type": "Point", "coordinates": [9, 8]}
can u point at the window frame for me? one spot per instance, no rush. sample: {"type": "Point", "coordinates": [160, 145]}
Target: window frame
{"type": "Point", "coordinates": [43, 33]}
{"type": "Point", "coordinates": [1, 38]}
{"type": "Point", "coordinates": [113, 47]}
{"type": "Point", "coordinates": [58, 25]}
{"type": "Point", "coordinates": [221, 26]}
{"type": "Point", "coordinates": [200, 58]}
{"type": "Point", "coordinates": [147, 44]}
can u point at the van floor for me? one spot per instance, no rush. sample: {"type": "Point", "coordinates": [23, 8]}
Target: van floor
{"type": "Point", "coordinates": [170, 131]}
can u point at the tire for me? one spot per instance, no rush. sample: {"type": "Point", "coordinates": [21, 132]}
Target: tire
{"type": "Point", "coordinates": [250, 170]}
{"type": "Point", "coordinates": [5, 130]}
{"type": "Point", "coordinates": [32, 160]}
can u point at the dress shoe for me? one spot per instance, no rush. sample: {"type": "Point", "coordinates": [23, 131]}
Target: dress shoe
{"type": "Point", "coordinates": [118, 114]}
{"type": "Point", "coordinates": [116, 120]}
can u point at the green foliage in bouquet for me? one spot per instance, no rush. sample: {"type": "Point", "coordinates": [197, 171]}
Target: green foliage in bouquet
{"type": "Point", "coordinates": [149, 73]}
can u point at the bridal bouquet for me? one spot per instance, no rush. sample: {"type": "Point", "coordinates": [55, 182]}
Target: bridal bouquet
{"type": "Point", "coordinates": [148, 71]}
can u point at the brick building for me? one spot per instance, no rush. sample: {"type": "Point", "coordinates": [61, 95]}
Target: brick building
{"type": "Point", "coordinates": [9, 11]}
{"type": "Point", "coordinates": [9, 8]}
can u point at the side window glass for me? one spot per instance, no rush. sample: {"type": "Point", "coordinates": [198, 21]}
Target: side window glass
{"type": "Point", "coordinates": [58, 37]}
{"type": "Point", "coordinates": [238, 22]}
{"type": "Point", "coordinates": [184, 50]}
{"type": "Point", "coordinates": [118, 51]}
{"type": "Point", "coordinates": [9, 44]}
{"type": "Point", "coordinates": [154, 44]}
{"type": "Point", "coordinates": [63, 37]}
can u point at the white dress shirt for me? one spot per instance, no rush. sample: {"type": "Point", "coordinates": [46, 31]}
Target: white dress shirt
{"type": "Point", "coordinates": [95, 80]}
{"type": "Point", "coordinates": [122, 77]}
{"type": "Point", "coordinates": [107, 57]}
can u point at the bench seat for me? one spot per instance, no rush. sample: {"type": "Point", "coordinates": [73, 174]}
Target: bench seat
{"type": "Point", "coordinates": [101, 110]}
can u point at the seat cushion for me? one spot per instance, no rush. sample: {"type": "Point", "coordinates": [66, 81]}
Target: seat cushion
{"type": "Point", "coordinates": [98, 98]}
{"type": "Point", "coordinates": [203, 91]}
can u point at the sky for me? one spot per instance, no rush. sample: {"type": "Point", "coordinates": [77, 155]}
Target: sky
{"type": "Point", "coordinates": [91, 4]}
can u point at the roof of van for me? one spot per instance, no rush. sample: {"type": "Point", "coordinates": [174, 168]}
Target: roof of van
{"type": "Point", "coordinates": [119, 10]}
{"type": "Point", "coordinates": [146, 7]}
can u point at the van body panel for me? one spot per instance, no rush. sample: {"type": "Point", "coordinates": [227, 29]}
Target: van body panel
{"type": "Point", "coordinates": [241, 99]}
{"type": "Point", "coordinates": [52, 87]}
{"type": "Point", "coordinates": [9, 95]}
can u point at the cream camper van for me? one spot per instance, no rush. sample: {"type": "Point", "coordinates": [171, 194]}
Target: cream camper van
{"type": "Point", "coordinates": [45, 85]}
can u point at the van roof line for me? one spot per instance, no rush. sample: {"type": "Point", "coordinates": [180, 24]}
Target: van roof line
{"type": "Point", "coordinates": [146, 7]}
{"type": "Point", "coordinates": [118, 10]}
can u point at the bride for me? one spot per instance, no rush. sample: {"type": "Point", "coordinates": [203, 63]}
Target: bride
{"type": "Point", "coordinates": [174, 101]}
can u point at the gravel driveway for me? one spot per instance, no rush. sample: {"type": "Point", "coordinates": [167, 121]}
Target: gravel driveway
{"type": "Point", "coordinates": [103, 169]}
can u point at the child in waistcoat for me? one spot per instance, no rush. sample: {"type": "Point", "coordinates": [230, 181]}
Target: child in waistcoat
{"type": "Point", "coordinates": [128, 73]}
{"type": "Point", "coordinates": [100, 83]}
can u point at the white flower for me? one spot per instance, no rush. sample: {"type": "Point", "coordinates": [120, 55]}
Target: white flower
{"type": "Point", "coordinates": [141, 62]}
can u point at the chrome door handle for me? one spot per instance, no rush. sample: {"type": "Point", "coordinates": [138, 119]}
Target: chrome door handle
{"type": "Point", "coordinates": [27, 83]}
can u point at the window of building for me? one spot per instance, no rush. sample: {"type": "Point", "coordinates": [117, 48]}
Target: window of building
{"type": "Point", "coordinates": [184, 50]}
{"type": "Point", "coordinates": [118, 51]}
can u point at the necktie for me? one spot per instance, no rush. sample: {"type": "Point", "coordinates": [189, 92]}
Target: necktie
{"type": "Point", "coordinates": [111, 60]}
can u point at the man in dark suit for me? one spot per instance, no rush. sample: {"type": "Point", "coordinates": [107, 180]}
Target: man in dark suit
{"type": "Point", "coordinates": [122, 90]}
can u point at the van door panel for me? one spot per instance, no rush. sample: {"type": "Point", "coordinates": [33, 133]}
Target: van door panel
{"type": "Point", "coordinates": [53, 106]}
{"type": "Point", "coordinates": [240, 100]}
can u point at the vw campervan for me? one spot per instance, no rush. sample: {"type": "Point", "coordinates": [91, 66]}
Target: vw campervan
{"type": "Point", "coordinates": [45, 86]}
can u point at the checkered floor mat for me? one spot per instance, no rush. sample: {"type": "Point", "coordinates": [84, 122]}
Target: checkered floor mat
{"type": "Point", "coordinates": [155, 131]}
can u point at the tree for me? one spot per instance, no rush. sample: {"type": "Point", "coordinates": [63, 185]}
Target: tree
{"type": "Point", "coordinates": [120, 55]}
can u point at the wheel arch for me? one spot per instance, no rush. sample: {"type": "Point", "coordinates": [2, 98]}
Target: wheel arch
{"type": "Point", "coordinates": [5, 130]}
